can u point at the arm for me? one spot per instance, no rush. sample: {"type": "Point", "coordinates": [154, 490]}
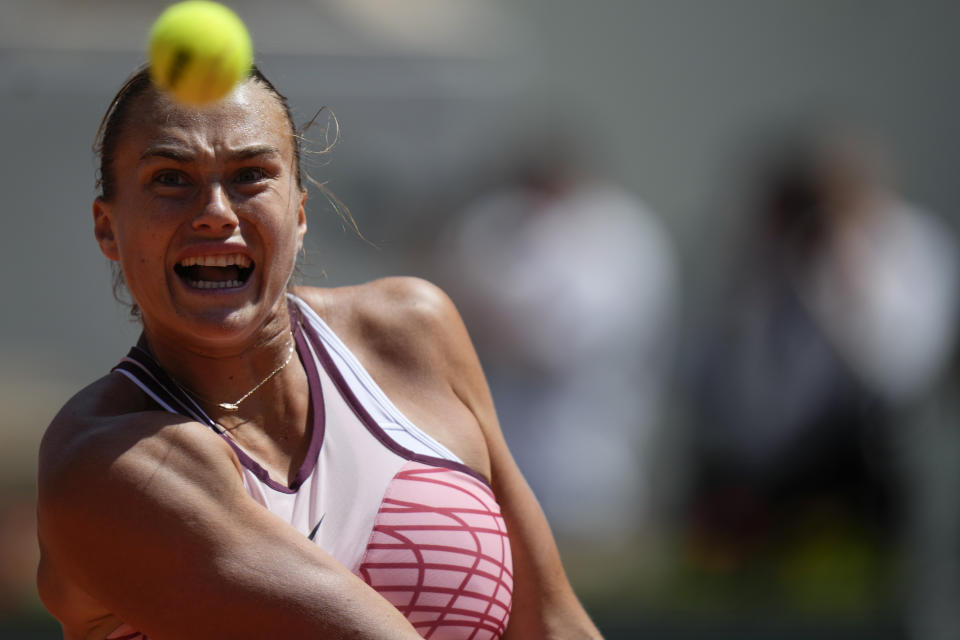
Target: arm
{"type": "Point", "coordinates": [419, 348]}
{"type": "Point", "coordinates": [544, 604]}
{"type": "Point", "coordinates": [147, 514]}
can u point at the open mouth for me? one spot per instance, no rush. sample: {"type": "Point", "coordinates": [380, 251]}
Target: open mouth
{"type": "Point", "coordinates": [215, 272]}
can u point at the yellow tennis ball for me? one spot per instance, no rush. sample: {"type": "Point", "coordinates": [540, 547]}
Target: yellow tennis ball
{"type": "Point", "coordinates": [199, 50]}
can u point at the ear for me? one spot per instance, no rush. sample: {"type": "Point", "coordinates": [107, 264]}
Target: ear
{"type": "Point", "coordinates": [103, 228]}
{"type": "Point", "coordinates": [302, 220]}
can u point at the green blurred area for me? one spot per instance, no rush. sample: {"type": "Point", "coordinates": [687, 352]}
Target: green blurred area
{"type": "Point", "coordinates": [833, 579]}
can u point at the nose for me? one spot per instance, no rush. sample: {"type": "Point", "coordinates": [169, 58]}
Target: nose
{"type": "Point", "coordinates": [217, 214]}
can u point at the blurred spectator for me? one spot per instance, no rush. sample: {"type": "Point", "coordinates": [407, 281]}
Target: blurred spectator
{"type": "Point", "coordinates": [569, 283]}
{"type": "Point", "coordinates": [840, 321]}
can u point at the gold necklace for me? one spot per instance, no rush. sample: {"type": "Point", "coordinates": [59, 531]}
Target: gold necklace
{"type": "Point", "coordinates": [234, 406]}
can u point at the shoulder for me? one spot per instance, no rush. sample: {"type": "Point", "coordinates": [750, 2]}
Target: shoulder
{"type": "Point", "coordinates": [105, 462]}
{"type": "Point", "coordinates": [109, 418]}
{"type": "Point", "coordinates": [397, 299]}
{"type": "Point", "coordinates": [108, 442]}
{"type": "Point", "coordinates": [409, 336]}
{"type": "Point", "coordinates": [393, 315]}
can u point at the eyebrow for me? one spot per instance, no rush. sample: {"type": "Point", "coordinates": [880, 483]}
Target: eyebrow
{"type": "Point", "coordinates": [165, 151]}
{"type": "Point", "coordinates": [256, 150]}
{"type": "Point", "coordinates": [179, 154]}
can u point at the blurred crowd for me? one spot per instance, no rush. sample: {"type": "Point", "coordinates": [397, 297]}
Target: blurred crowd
{"type": "Point", "coordinates": [794, 440]}
{"type": "Point", "coordinates": [813, 384]}
{"type": "Point", "coordinates": [568, 284]}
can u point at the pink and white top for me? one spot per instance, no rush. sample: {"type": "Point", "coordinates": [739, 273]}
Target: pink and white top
{"type": "Point", "coordinates": [381, 496]}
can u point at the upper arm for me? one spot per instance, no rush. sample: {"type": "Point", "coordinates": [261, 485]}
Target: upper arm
{"type": "Point", "coordinates": [409, 333]}
{"type": "Point", "coordinates": [153, 523]}
{"type": "Point", "coordinates": [544, 604]}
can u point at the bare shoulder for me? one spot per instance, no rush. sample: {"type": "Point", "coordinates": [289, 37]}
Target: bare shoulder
{"type": "Point", "coordinates": [386, 302]}
{"type": "Point", "coordinates": [410, 338]}
{"type": "Point", "coordinates": [405, 318]}
{"type": "Point", "coordinates": [110, 445]}
{"type": "Point", "coordinates": [107, 426]}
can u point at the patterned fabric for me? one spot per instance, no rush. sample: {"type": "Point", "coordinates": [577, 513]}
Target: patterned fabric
{"type": "Point", "coordinates": [439, 552]}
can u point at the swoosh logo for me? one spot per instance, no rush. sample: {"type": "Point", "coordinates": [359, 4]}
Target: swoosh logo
{"type": "Point", "coordinates": [315, 528]}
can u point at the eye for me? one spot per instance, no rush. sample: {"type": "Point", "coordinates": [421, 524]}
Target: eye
{"type": "Point", "coordinates": [170, 179]}
{"type": "Point", "coordinates": [249, 175]}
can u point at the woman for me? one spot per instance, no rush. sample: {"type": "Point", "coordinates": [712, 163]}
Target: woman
{"type": "Point", "coordinates": [272, 462]}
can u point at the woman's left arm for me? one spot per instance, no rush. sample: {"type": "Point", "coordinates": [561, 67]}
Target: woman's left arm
{"type": "Point", "coordinates": [409, 335]}
{"type": "Point", "coordinates": [544, 604]}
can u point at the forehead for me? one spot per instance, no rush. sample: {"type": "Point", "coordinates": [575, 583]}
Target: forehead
{"type": "Point", "coordinates": [251, 115]}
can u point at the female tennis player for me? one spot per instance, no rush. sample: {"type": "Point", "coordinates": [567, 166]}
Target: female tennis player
{"type": "Point", "coordinates": [273, 461]}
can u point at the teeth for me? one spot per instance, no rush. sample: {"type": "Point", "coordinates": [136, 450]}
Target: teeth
{"type": "Point", "coordinates": [237, 259]}
{"type": "Point", "coordinates": [208, 284]}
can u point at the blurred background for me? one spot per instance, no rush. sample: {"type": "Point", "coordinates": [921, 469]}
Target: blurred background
{"type": "Point", "coordinates": [706, 251]}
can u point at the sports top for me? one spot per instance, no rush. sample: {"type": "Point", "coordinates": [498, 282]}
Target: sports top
{"type": "Point", "coordinates": [385, 499]}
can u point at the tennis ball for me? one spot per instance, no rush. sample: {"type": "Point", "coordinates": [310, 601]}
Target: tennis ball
{"type": "Point", "coordinates": [198, 51]}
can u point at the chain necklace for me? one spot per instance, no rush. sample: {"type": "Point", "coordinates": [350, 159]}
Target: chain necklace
{"type": "Point", "coordinates": [234, 406]}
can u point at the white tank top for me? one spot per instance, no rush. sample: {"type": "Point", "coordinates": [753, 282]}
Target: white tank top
{"type": "Point", "coordinates": [381, 496]}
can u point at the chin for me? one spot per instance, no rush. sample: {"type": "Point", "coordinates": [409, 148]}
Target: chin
{"type": "Point", "coordinates": [224, 318]}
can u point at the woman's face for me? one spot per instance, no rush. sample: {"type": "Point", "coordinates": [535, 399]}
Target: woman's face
{"type": "Point", "coordinates": [207, 217]}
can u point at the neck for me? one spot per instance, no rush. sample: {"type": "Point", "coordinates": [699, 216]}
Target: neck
{"type": "Point", "coordinates": [272, 423]}
{"type": "Point", "coordinates": [249, 374]}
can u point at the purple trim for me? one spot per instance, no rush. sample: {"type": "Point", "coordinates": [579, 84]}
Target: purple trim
{"type": "Point", "coordinates": [317, 418]}
{"type": "Point", "coordinates": [140, 364]}
{"type": "Point", "coordinates": [128, 369]}
{"type": "Point", "coordinates": [317, 408]}
{"type": "Point", "coordinates": [141, 354]}
{"type": "Point", "coordinates": [372, 426]}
